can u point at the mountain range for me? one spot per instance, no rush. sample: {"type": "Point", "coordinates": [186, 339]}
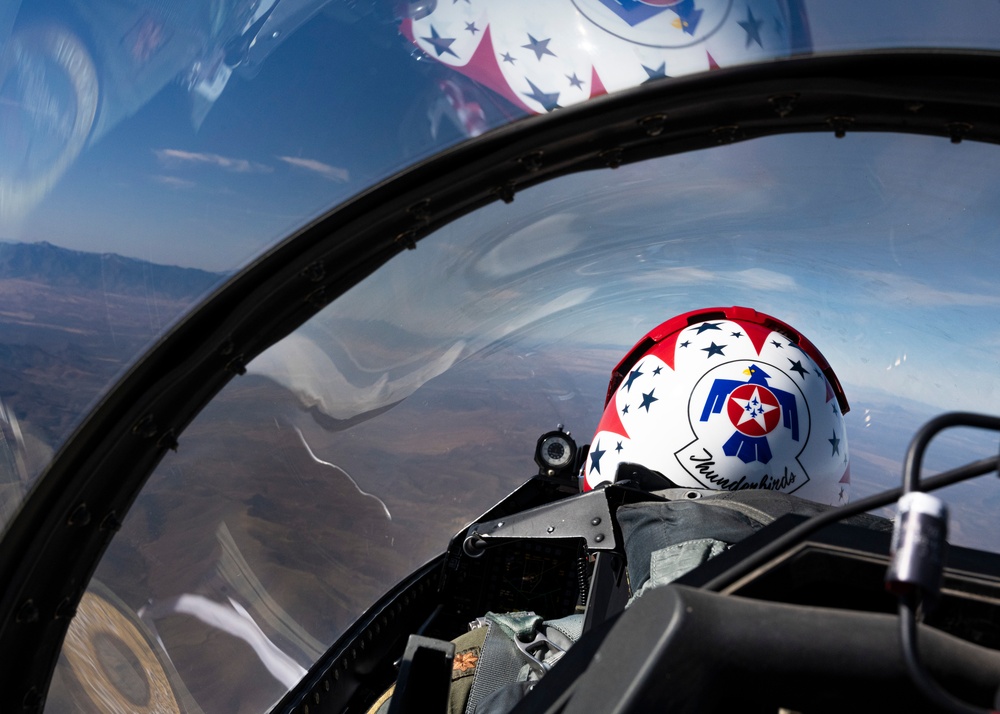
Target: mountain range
{"type": "Point", "coordinates": [71, 322]}
{"type": "Point", "coordinates": [107, 272]}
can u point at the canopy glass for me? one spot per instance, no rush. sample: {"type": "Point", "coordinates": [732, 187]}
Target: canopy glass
{"type": "Point", "coordinates": [354, 448]}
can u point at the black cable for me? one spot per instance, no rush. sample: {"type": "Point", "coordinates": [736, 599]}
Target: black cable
{"type": "Point", "coordinates": [819, 521]}
{"type": "Point", "coordinates": [916, 573]}
{"type": "Point", "coordinates": [915, 452]}
{"type": "Point", "coordinates": [920, 676]}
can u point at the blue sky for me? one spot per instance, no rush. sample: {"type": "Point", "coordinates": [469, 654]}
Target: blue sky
{"type": "Point", "coordinates": [334, 109]}
{"type": "Point", "coordinates": [305, 134]}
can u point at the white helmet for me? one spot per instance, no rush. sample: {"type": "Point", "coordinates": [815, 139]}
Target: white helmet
{"type": "Point", "coordinates": [544, 55]}
{"type": "Point", "coordinates": [726, 399]}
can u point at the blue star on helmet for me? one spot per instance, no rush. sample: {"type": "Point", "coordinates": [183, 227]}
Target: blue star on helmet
{"type": "Point", "coordinates": [655, 74]}
{"type": "Point", "coordinates": [752, 27]}
{"type": "Point", "coordinates": [632, 376]}
{"type": "Point", "coordinates": [548, 100]}
{"type": "Point", "coordinates": [595, 458]}
{"type": "Point", "coordinates": [835, 443]}
{"type": "Point", "coordinates": [797, 367]}
{"type": "Point", "coordinates": [714, 349]}
{"type": "Point", "coordinates": [539, 47]}
{"type": "Point", "coordinates": [575, 81]}
{"type": "Point", "coordinates": [442, 45]}
{"type": "Point", "coordinates": [648, 399]}
{"type": "Point", "coordinates": [471, 27]}
{"type": "Point", "coordinates": [706, 326]}
{"type": "Point", "coordinates": [619, 447]}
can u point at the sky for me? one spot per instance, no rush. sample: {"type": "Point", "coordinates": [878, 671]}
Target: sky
{"type": "Point", "coordinates": [308, 132]}
{"type": "Point", "coordinates": [337, 107]}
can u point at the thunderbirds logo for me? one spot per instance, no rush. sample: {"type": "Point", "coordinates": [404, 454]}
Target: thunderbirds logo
{"type": "Point", "coordinates": [755, 409]}
{"type": "Point", "coordinates": [657, 23]}
{"type": "Point", "coordinates": [635, 11]}
{"type": "Point", "coordinates": [750, 419]}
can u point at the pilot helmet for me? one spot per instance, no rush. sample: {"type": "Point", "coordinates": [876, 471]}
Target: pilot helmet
{"type": "Point", "coordinates": [726, 399]}
{"type": "Point", "coordinates": [543, 56]}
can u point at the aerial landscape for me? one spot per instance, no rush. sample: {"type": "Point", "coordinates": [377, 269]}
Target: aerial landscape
{"type": "Point", "coordinates": [287, 513]}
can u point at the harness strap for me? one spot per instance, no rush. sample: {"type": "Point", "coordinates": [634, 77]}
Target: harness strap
{"type": "Point", "coordinates": [500, 660]}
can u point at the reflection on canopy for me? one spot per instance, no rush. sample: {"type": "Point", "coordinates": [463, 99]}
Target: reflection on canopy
{"type": "Point", "coordinates": [420, 392]}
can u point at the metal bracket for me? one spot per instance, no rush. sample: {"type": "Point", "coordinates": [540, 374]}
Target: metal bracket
{"type": "Point", "coordinates": [532, 652]}
{"type": "Point", "coordinates": [586, 516]}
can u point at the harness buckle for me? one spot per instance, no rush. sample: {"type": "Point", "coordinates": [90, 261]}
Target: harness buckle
{"type": "Point", "coordinates": [533, 646]}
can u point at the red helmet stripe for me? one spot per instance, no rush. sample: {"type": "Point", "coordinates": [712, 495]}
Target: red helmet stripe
{"type": "Point", "coordinates": [758, 334]}
{"type": "Point", "coordinates": [758, 327]}
{"type": "Point", "coordinates": [596, 85]}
